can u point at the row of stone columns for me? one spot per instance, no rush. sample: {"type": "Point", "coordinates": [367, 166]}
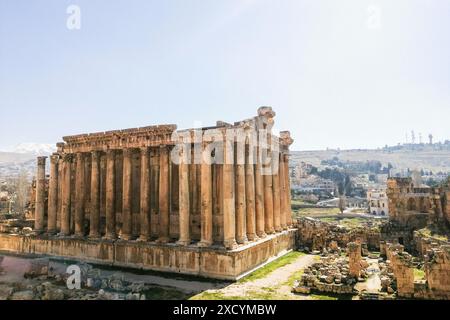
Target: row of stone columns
{"type": "Point", "coordinates": [64, 183]}
{"type": "Point", "coordinates": [253, 204]}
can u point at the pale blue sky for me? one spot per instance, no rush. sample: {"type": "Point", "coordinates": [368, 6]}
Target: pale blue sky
{"type": "Point", "coordinates": [334, 79]}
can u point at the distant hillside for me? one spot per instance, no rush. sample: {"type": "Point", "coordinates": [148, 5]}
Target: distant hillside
{"type": "Point", "coordinates": [425, 157]}
{"type": "Point", "coordinates": [13, 157]}
{"type": "Point", "coordinates": [35, 148]}
{"type": "Point", "coordinates": [12, 164]}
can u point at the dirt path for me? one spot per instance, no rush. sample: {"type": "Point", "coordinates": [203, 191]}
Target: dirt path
{"type": "Point", "coordinates": [274, 282]}
{"type": "Point", "coordinates": [373, 283]}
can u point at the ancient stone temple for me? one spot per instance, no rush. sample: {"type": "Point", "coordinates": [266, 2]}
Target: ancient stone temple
{"type": "Point", "coordinates": [209, 201]}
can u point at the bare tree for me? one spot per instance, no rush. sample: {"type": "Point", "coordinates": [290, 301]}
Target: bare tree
{"type": "Point", "coordinates": [342, 203]}
{"type": "Point", "coordinates": [21, 186]}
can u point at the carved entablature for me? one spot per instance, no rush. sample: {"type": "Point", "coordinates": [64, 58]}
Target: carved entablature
{"type": "Point", "coordinates": [119, 139]}
{"type": "Point", "coordinates": [153, 136]}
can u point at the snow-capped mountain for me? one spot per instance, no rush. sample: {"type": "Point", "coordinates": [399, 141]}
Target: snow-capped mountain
{"type": "Point", "coordinates": [42, 149]}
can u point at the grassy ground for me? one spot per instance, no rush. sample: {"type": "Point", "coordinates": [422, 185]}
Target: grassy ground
{"type": "Point", "coordinates": [311, 212]}
{"type": "Point", "coordinates": [347, 222]}
{"type": "Point", "coordinates": [278, 291]}
{"type": "Point", "coordinates": [267, 293]}
{"type": "Point", "coordinates": [419, 274]}
{"type": "Point", "coordinates": [434, 234]}
{"type": "Point", "coordinates": [264, 271]}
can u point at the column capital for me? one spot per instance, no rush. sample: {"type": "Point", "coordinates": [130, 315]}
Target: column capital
{"type": "Point", "coordinates": [41, 161]}
{"type": "Point", "coordinates": [54, 158]}
{"type": "Point", "coordinates": [79, 155]}
{"type": "Point", "coordinates": [164, 147]}
{"type": "Point", "coordinates": [144, 150]}
{"type": "Point", "coordinates": [111, 152]}
{"type": "Point", "coordinates": [67, 157]}
{"type": "Point", "coordinates": [95, 154]}
{"type": "Point", "coordinates": [128, 152]}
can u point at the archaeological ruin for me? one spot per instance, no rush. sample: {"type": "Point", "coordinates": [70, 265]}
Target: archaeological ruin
{"type": "Point", "coordinates": [212, 202]}
{"type": "Point", "coordinates": [413, 207]}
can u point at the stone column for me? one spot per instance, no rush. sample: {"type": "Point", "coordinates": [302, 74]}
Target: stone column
{"type": "Point", "coordinates": [164, 194]}
{"type": "Point", "coordinates": [110, 207]}
{"type": "Point", "coordinates": [53, 195]}
{"type": "Point", "coordinates": [229, 219]}
{"type": "Point", "coordinates": [60, 195]}
{"type": "Point", "coordinates": [184, 220]}
{"type": "Point", "coordinates": [94, 232]}
{"type": "Point", "coordinates": [40, 196]}
{"type": "Point", "coordinates": [79, 195]}
{"type": "Point", "coordinates": [276, 192]}
{"type": "Point", "coordinates": [241, 229]}
{"type": "Point", "coordinates": [268, 195]}
{"type": "Point", "coordinates": [288, 191]}
{"type": "Point", "coordinates": [126, 194]}
{"type": "Point", "coordinates": [145, 195]}
{"type": "Point", "coordinates": [206, 199]}
{"type": "Point", "coordinates": [259, 196]}
{"type": "Point", "coordinates": [66, 192]}
{"type": "Point", "coordinates": [283, 194]}
{"type": "Point", "coordinates": [354, 257]}
{"type": "Point", "coordinates": [250, 193]}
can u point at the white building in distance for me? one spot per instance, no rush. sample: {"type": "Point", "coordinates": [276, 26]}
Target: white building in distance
{"type": "Point", "coordinates": [378, 202]}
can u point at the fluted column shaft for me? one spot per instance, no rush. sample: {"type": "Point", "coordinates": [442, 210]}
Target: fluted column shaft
{"type": "Point", "coordinates": [259, 196]}
{"type": "Point", "coordinates": [229, 222]}
{"type": "Point", "coordinates": [268, 194]}
{"type": "Point", "coordinates": [94, 217]}
{"type": "Point", "coordinates": [126, 194]}
{"type": "Point", "coordinates": [79, 194]}
{"type": "Point", "coordinates": [184, 221]}
{"type": "Point", "coordinates": [288, 191]}
{"type": "Point", "coordinates": [110, 207]}
{"type": "Point", "coordinates": [283, 194]}
{"type": "Point", "coordinates": [250, 193]}
{"type": "Point", "coordinates": [276, 192]}
{"type": "Point", "coordinates": [145, 196]}
{"type": "Point", "coordinates": [40, 196]}
{"type": "Point", "coordinates": [164, 194]}
{"type": "Point", "coordinates": [66, 195]}
{"type": "Point", "coordinates": [206, 200]}
{"type": "Point", "coordinates": [241, 229]}
{"type": "Point", "coordinates": [53, 195]}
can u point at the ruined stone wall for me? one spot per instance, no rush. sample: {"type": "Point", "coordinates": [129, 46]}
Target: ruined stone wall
{"type": "Point", "coordinates": [436, 284]}
{"type": "Point", "coordinates": [423, 243]}
{"type": "Point", "coordinates": [414, 206]}
{"type": "Point", "coordinates": [317, 235]}
{"type": "Point", "coordinates": [437, 271]}
{"type": "Point", "coordinates": [403, 271]}
{"type": "Point", "coordinates": [446, 201]}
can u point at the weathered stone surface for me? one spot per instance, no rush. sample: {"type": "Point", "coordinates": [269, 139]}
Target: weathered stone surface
{"type": "Point", "coordinates": [23, 295]}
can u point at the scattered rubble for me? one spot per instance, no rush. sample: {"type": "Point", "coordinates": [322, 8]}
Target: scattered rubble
{"type": "Point", "coordinates": [334, 273]}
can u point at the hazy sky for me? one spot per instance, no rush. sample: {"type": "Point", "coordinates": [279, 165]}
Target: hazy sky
{"type": "Point", "coordinates": [338, 73]}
